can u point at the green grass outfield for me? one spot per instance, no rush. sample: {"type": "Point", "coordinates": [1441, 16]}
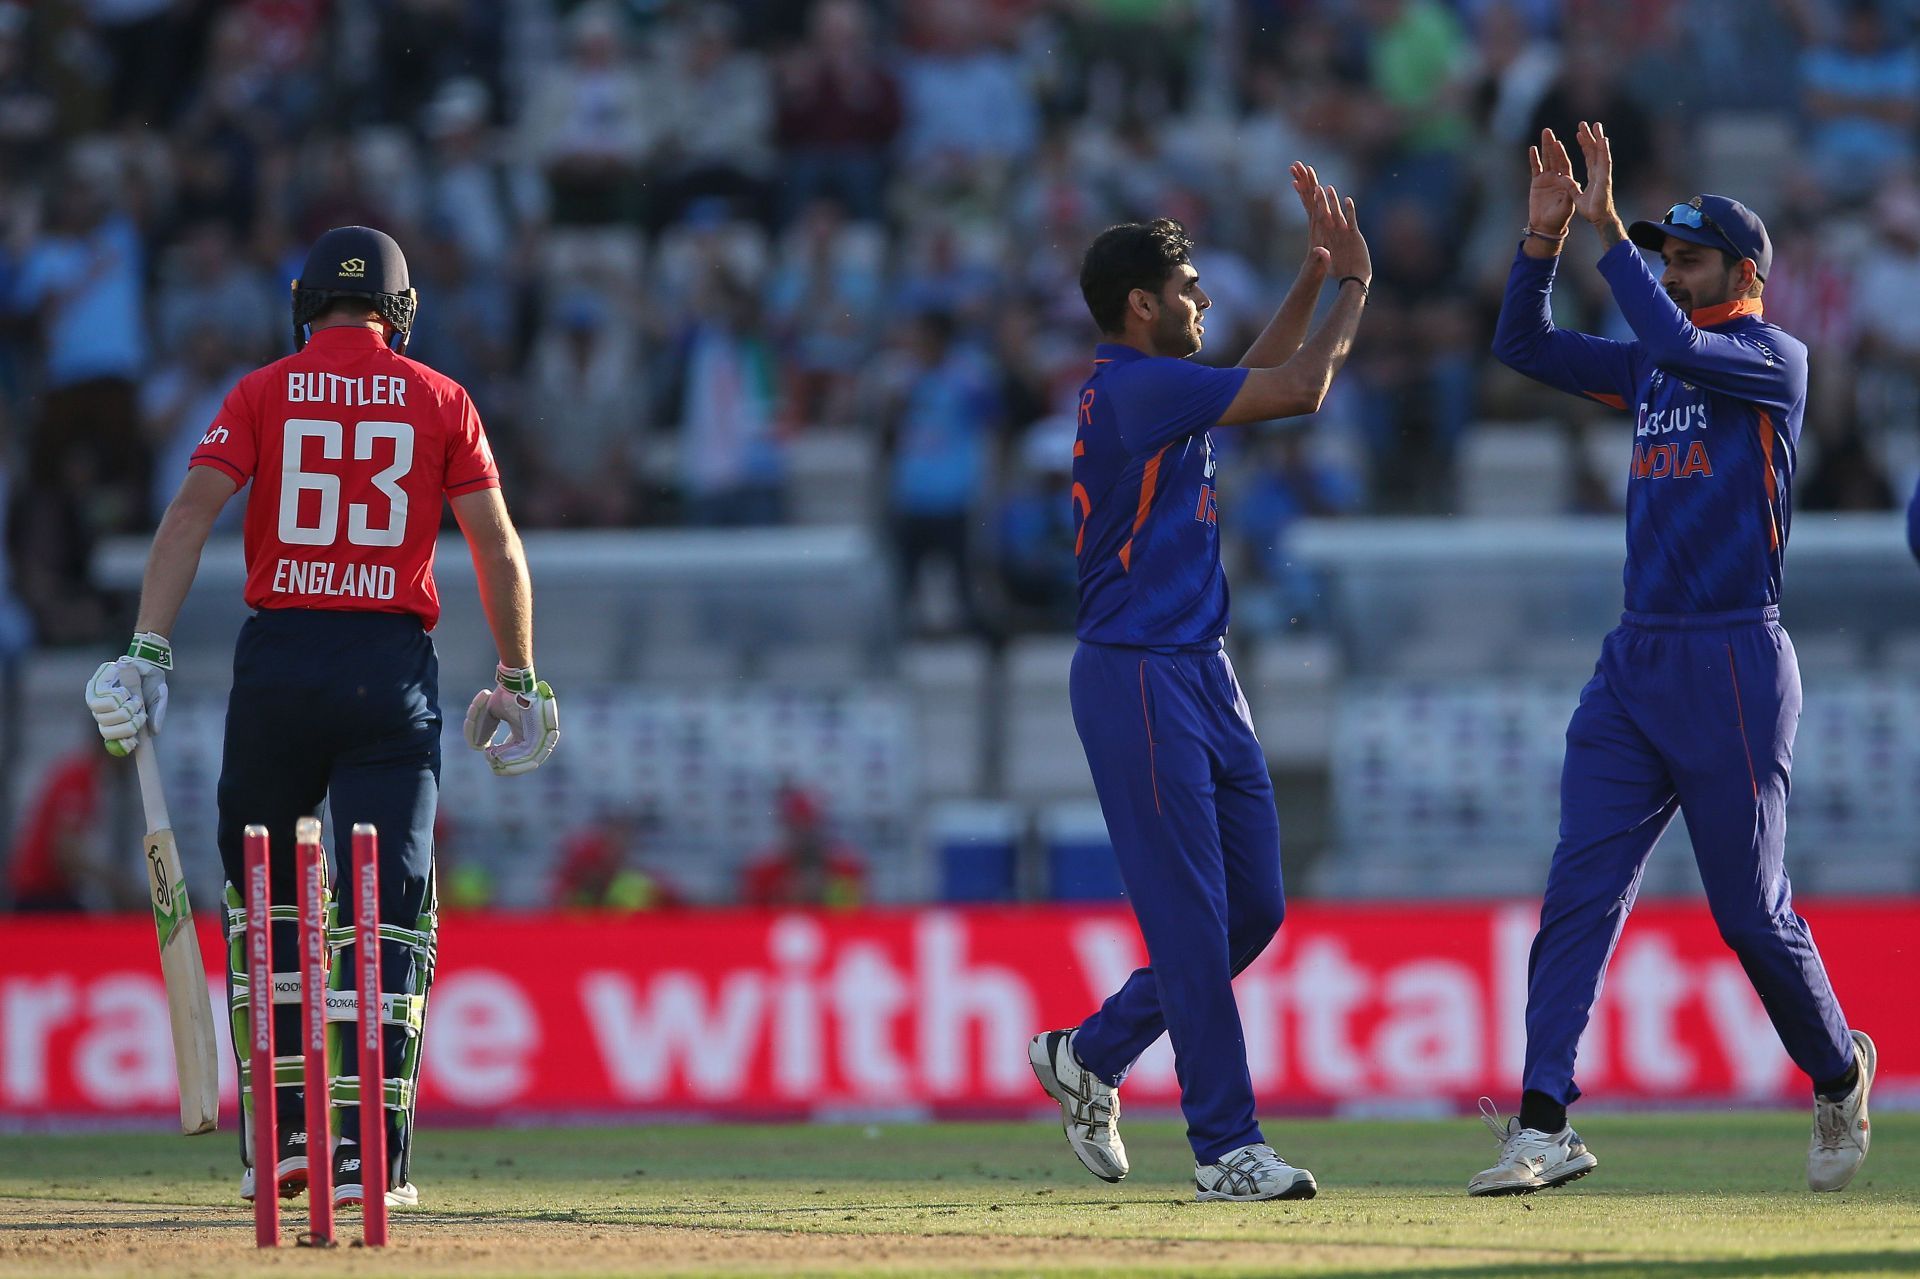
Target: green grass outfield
{"type": "Point", "coordinates": [1674, 1196]}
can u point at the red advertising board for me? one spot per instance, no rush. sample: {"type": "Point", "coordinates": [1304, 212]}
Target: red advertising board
{"type": "Point", "coordinates": [929, 1011]}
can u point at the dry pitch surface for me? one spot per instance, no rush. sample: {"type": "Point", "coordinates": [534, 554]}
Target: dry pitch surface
{"type": "Point", "coordinates": [1675, 1196]}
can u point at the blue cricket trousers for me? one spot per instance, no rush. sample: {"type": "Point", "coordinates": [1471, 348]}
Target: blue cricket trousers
{"type": "Point", "coordinates": [342, 707]}
{"type": "Point", "coordinates": [1695, 713]}
{"type": "Point", "coordinates": [1184, 787]}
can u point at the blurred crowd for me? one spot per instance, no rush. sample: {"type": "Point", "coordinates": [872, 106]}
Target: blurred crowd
{"type": "Point", "coordinates": [664, 242]}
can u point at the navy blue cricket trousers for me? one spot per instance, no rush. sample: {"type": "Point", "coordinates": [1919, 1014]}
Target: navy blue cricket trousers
{"type": "Point", "coordinates": [1694, 713]}
{"type": "Point", "coordinates": [344, 708]}
{"type": "Point", "coordinates": [1183, 785]}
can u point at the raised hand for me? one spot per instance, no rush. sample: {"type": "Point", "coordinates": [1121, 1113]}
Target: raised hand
{"type": "Point", "coordinates": [1345, 245]}
{"type": "Point", "coordinates": [1306, 185]}
{"type": "Point", "coordinates": [1553, 193]}
{"type": "Point", "coordinates": [1596, 200]}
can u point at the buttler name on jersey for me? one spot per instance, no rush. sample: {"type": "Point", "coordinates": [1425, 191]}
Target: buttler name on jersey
{"type": "Point", "coordinates": [332, 388]}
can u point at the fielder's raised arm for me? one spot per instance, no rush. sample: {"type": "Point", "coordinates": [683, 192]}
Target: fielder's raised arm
{"type": "Point", "coordinates": [1288, 376]}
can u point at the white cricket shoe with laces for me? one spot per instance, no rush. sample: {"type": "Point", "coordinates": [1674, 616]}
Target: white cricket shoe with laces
{"type": "Point", "coordinates": [1530, 1160]}
{"type": "Point", "coordinates": [1252, 1173]}
{"type": "Point", "coordinates": [1840, 1132]}
{"type": "Point", "coordinates": [1089, 1105]}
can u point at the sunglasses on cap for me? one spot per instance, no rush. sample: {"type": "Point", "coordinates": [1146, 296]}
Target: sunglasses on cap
{"type": "Point", "coordinates": [1688, 216]}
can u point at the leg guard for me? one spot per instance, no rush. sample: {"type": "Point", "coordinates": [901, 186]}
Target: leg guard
{"type": "Point", "coordinates": [407, 957]}
{"type": "Point", "coordinates": [289, 1068]}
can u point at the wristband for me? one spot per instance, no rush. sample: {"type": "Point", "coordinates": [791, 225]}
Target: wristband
{"type": "Point", "coordinates": [149, 647]}
{"type": "Point", "coordinates": [1365, 288]}
{"type": "Point", "coordinates": [515, 679]}
{"type": "Point", "coordinates": [1542, 235]}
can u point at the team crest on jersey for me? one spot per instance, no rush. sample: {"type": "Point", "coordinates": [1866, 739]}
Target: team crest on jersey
{"type": "Point", "coordinates": [353, 268]}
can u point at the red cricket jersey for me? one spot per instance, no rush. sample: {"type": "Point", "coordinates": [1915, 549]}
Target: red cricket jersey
{"type": "Point", "coordinates": [351, 449]}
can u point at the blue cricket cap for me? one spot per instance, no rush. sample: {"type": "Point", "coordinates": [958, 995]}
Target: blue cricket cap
{"type": "Point", "coordinates": [1714, 221]}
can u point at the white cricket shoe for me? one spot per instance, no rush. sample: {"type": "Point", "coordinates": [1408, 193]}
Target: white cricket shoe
{"type": "Point", "coordinates": [1089, 1105]}
{"type": "Point", "coordinates": [290, 1171]}
{"type": "Point", "coordinates": [1530, 1160]}
{"type": "Point", "coordinates": [349, 1189]}
{"type": "Point", "coordinates": [1252, 1173]}
{"type": "Point", "coordinates": [1840, 1131]}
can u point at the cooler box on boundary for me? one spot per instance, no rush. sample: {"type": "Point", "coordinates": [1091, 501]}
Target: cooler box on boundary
{"type": "Point", "coordinates": [977, 848]}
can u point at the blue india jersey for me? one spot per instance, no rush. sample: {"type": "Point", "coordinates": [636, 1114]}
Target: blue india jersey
{"type": "Point", "coordinates": [1717, 399]}
{"type": "Point", "coordinates": [1147, 529]}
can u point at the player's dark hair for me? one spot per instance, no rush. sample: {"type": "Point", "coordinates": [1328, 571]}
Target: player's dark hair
{"type": "Point", "coordinates": [1133, 255]}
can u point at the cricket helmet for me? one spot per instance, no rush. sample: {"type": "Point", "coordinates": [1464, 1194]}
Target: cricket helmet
{"type": "Point", "coordinates": [355, 262]}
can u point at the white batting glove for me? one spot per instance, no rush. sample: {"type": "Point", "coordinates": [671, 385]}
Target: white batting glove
{"type": "Point", "coordinates": [525, 707]}
{"type": "Point", "coordinates": [130, 693]}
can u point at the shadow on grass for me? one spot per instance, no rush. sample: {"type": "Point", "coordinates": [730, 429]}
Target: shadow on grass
{"type": "Point", "coordinates": [1823, 1263]}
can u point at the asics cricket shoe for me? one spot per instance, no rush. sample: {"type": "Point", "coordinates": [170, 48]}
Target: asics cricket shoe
{"type": "Point", "coordinates": [349, 1187]}
{"type": "Point", "coordinates": [1089, 1105]}
{"type": "Point", "coordinates": [1252, 1173]}
{"type": "Point", "coordinates": [290, 1171]}
{"type": "Point", "coordinates": [1840, 1132]}
{"type": "Point", "coordinates": [1530, 1160]}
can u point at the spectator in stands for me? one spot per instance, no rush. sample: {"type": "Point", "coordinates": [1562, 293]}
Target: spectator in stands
{"type": "Point", "coordinates": [28, 112]}
{"type": "Point", "coordinates": [463, 883]}
{"type": "Point", "coordinates": [50, 539]}
{"type": "Point", "coordinates": [336, 190]}
{"type": "Point", "coordinates": [1135, 54]}
{"type": "Point", "coordinates": [587, 400]}
{"type": "Point", "coordinates": [598, 868]}
{"type": "Point", "coordinates": [1418, 65]}
{"type": "Point", "coordinates": [426, 44]}
{"type": "Point", "coordinates": [1421, 364]}
{"type": "Point", "coordinates": [60, 859]}
{"type": "Point", "coordinates": [952, 145]}
{"type": "Point", "coordinates": [1034, 533]}
{"type": "Point", "coordinates": [937, 442]}
{"type": "Point", "coordinates": [146, 43]}
{"type": "Point", "coordinates": [80, 281]}
{"type": "Point", "coordinates": [1888, 375]}
{"type": "Point", "coordinates": [180, 401]}
{"type": "Point", "coordinates": [208, 282]}
{"type": "Point", "coordinates": [1862, 98]}
{"type": "Point", "coordinates": [823, 299]}
{"type": "Point", "coordinates": [588, 126]}
{"type": "Point", "coordinates": [1591, 87]}
{"type": "Point", "coordinates": [1846, 475]}
{"type": "Point", "coordinates": [1287, 483]}
{"type": "Point", "coordinates": [946, 270]}
{"type": "Point", "coordinates": [839, 109]}
{"type": "Point", "coordinates": [1513, 67]}
{"type": "Point", "coordinates": [805, 866]}
{"type": "Point", "coordinates": [716, 101]}
{"type": "Point", "coordinates": [732, 459]}
{"type": "Point", "coordinates": [467, 331]}
{"type": "Point", "coordinates": [489, 205]}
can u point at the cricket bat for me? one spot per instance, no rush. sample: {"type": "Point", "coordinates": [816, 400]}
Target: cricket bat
{"type": "Point", "coordinates": [189, 1009]}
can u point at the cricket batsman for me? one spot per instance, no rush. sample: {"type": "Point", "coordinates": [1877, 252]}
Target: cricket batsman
{"type": "Point", "coordinates": [1694, 702]}
{"type": "Point", "coordinates": [1182, 780]}
{"type": "Point", "coordinates": [350, 448]}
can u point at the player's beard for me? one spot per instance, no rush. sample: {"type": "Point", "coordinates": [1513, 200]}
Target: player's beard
{"type": "Point", "coordinates": [1177, 336]}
